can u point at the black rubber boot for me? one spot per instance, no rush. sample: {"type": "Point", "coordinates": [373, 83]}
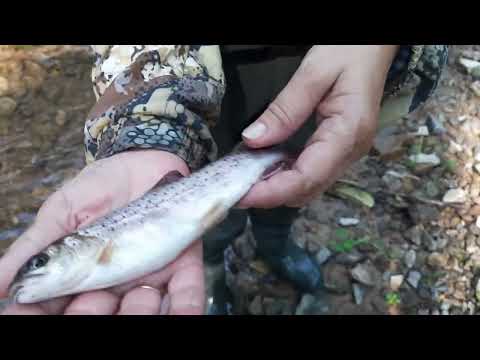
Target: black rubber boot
{"type": "Point", "coordinates": [215, 242]}
{"type": "Point", "coordinates": [272, 232]}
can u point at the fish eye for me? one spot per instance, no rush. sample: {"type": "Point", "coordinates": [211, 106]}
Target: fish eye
{"type": "Point", "coordinates": [38, 261]}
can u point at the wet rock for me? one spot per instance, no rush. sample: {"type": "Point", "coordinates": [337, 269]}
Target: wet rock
{"type": "Point", "coordinates": [395, 282]}
{"type": "Point", "coordinates": [410, 258]}
{"type": "Point", "coordinates": [366, 274]}
{"type": "Point", "coordinates": [358, 293]}
{"type": "Point", "coordinates": [455, 196]}
{"type": "Point", "coordinates": [7, 106]}
{"type": "Point", "coordinates": [437, 260]}
{"type": "Point", "coordinates": [336, 278]}
{"type": "Point", "coordinates": [323, 255]}
{"type": "Point", "coordinates": [414, 278]}
{"type": "Point", "coordinates": [431, 160]}
{"type": "Point", "coordinates": [348, 221]}
{"type": "Point", "coordinates": [349, 258]}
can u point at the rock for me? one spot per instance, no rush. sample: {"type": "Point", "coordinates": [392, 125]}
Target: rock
{"type": "Point", "coordinates": [349, 258]}
{"type": "Point", "coordinates": [358, 292]}
{"type": "Point", "coordinates": [390, 146]}
{"type": "Point", "coordinates": [7, 106]}
{"type": "Point", "coordinates": [336, 278]}
{"type": "Point", "coordinates": [423, 312]}
{"type": "Point", "coordinates": [435, 126]}
{"type": "Point", "coordinates": [477, 167]}
{"type": "Point", "coordinates": [414, 278]}
{"type": "Point", "coordinates": [468, 64]}
{"type": "Point", "coordinates": [348, 221]}
{"type": "Point", "coordinates": [277, 307]}
{"type": "Point", "coordinates": [422, 131]}
{"type": "Point", "coordinates": [414, 234]}
{"type": "Point", "coordinates": [425, 159]}
{"type": "Point", "coordinates": [4, 87]}
{"type": "Point", "coordinates": [437, 260]}
{"type": "Point", "coordinates": [323, 255]}
{"type": "Point", "coordinates": [410, 257]}
{"type": "Point", "coordinates": [431, 189]}
{"type": "Point", "coordinates": [475, 87]}
{"type": "Point", "coordinates": [312, 246]}
{"type": "Point", "coordinates": [395, 282]}
{"type": "Point", "coordinates": [61, 118]}
{"type": "Point", "coordinates": [444, 308]}
{"type": "Point", "coordinates": [366, 274]}
{"type": "Point", "coordinates": [477, 290]}
{"type": "Point", "coordinates": [423, 213]}
{"type": "Point", "coordinates": [310, 305]}
{"type": "Point", "coordinates": [476, 72]}
{"type": "Point", "coordinates": [306, 302]}
{"type": "Point", "coordinates": [455, 196]}
{"type": "Point", "coordinates": [256, 307]}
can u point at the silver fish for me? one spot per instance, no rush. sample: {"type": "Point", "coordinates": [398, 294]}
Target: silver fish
{"type": "Point", "coordinates": [145, 235]}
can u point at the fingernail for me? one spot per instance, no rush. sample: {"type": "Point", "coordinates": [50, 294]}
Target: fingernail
{"type": "Point", "coordinates": [254, 131]}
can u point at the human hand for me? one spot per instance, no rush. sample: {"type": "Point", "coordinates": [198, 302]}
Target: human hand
{"type": "Point", "coordinates": [343, 86]}
{"type": "Point", "coordinates": [100, 188]}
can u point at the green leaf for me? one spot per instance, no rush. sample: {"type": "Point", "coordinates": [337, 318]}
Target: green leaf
{"type": "Point", "coordinates": [342, 234]}
{"type": "Point", "coordinates": [357, 195]}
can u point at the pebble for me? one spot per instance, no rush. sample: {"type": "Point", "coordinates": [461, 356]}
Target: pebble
{"type": "Point", "coordinates": [7, 106]}
{"type": "Point", "coordinates": [468, 64]}
{"type": "Point", "coordinates": [475, 87]}
{"type": "Point", "coordinates": [350, 258]}
{"type": "Point", "coordinates": [61, 118]}
{"type": "Point", "coordinates": [410, 258]}
{"type": "Point", "coordinates": [323, 255]}
{"type": "Point", "coordinates": [423, 312]}
{"type": "Point", "coordinates": [395, 282]}
{"type": "Point", "coordinates": [336, 278]}
{"type": "Point", "coordinates": [365, 274]}
{"type": "Point", "coordinates": [455, 196]}
{"type": "Point", "coordinates": [414, 234]}
{"type": "Point", "coordinates": [3, 86]}
{"type": "Point", "coordinates": [444, 308]}
{"type": "Point", "coordinates": [358, 293]}
{"type": "Point", "coordinates": [477, 290]}
{"type": "Point", "coordinates": [427, 159]}
{"type": "Point", "coordinates": [305, 303]}
{"type": "Point", "coordinates": [435, 126]}
{"type": "Point", "coordinates": [422, 131]}
{"type": "Point", "coordinates": [348, 221]}
{"type": "Point", "coordinates": [414, 278]}
{"type": "Point", "coordinates": [255, 307]}
{"type": "Point", "coordinates": [437, 260]}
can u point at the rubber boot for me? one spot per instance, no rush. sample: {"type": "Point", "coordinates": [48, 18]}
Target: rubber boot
{"type": "Point", "coordinates": [272, 232]}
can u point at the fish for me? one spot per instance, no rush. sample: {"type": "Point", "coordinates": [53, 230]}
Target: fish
{"type": "Point", "coordinates": [148, 233]}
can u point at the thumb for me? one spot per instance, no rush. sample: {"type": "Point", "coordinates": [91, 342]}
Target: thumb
{"type": "Point", "coordinates": [292, 107]}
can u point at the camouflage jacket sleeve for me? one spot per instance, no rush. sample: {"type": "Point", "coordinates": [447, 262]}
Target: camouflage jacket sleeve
{"type": "Point", "coordinates": [167, 97]}
{"type": "Point", "coordinates": [155, 96]}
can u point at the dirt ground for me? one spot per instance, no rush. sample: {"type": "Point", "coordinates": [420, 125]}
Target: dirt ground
{"type": "Point", "coordinates": [399, 234]}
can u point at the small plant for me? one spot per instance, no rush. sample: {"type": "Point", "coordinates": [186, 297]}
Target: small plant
{"type": "Point", "coordinates": [345, 242]}
{"type": "Point", "coordinates": [392, 299]}
{"type": "Point", "coordinates": [450, 165]}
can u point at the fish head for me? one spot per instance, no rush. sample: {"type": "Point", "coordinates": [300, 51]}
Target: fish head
{"type": "Point", "coordinates": [55, 271]}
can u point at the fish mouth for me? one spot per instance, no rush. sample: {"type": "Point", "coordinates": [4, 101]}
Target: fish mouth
{"type": "Point", "coordinates": [14, 292]}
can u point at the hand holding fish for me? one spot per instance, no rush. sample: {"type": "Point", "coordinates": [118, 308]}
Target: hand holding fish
{"type": "Point", "coordinates": [343, 87]}
{"type": "Point", "coordinates": [100, 188]}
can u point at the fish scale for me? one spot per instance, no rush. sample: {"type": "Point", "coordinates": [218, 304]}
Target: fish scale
{"type": "Point", "coordinates": [145, 235]}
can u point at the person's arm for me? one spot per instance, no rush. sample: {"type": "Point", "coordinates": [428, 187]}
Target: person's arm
{"type": "Point", "coordinates": [163, 97]}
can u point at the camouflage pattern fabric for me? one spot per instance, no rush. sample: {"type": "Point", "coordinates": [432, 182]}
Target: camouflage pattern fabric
{"type": "Point", "coordinates": [168, 97]}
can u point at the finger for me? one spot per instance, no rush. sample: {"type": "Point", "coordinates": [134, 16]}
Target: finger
{"type": "Point", "coordinates": [141, 301]}
{"type": "Point", "coordinates": [295, 103]}
{"type": "Point", "coordinates": [93, 303]}
{"type": "Point", "coordinates": [20, 309]}
{"type": "Point", "coordinates": [187, 291]}
{"type": "Point", "coordinates": [56, 306]}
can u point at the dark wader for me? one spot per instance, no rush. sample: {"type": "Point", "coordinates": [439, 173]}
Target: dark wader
{"type": "Point", "coordinates": [255, 76]}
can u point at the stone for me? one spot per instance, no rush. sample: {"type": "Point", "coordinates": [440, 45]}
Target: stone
{"type": "Point", "coordinates": [410, 257]}
{"type": "Point", "coordinates": [435, 126]}
{"type": "Point", "coordinates": [475, 87]}
{"type": "Point", "coordinates": [336, 278]}
{"type": "Point", "coordinates": [256, 307]}
{"type": "Point", "coordinates": [414, 278]}
{"type": "Point", "coordinates": [396, 281]}
{"type": "Point", "coordinates": [349, 258]}
{"type": "Point", "coordinates": [358, 293]}
{"type": "Point", "coordinates": [4, 86]}
{"type": "Point", "coordinates": [422, 131]}
{"type": "Point", "coordinates": [7, 106]}
{"type": "Point", "coordinates": [437, 260]}
{"type": "Point", "coordinates": [477, 290]}
{"type": "Point", "coordinates": [423, 312]}
{"type": "Point", "coordinates": [414, 234]}
{"type": "Point", "coordinates": [425, 159]}
{"type": "Point", "coordinates": [468, 64]}
{"type": "Point", "coordinates": [348, 221]}
{"type": "Point", "coordinates": [366, 274]}
{"type": "Point", "coordinates": [61, 118]}
{"type": "Point", "coordinates": [323, 255]}
{"type": "Point", "coordinates": [455, 196]}
{"type": "Point", "coordinates": [423, 213]}
{"type": "Point", "coordinates": [305, 303]}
